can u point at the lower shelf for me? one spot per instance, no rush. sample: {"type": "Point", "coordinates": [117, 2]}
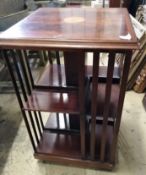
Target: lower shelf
{"type": "Point", "coordinates": [65, 149]}
{"type": "Point", "coordinates": [63, 145]}
{"type": "Point", "coordinates": [77, 162]}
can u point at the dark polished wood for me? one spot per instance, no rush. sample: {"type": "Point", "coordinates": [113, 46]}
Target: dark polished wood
{"type": "Point", "coordinates": [114, 3]}
{"type": "Point", "coordinates": [74, 28]}
{"type": "Point", "coordinates": [51, 147]}
{"type": "Point", "coordinates": [96, 59]}
{"type": "Point", "coordinates": [85, 102]}
{"type": "Point", "coordinates": [118, 114]}
{"type": "Point", "coordinates": [100, 100]}
{"type": "Point", "coordinates": [111, 62]}
{"type": "Point", "coordinates": [53, 102]}
{"type": "Point", "coordinates": [54, 75]}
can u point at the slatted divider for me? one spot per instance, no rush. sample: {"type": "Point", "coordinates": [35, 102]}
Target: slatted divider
{"type": "Point", "coordinates": [110, 69]}
{"type": "Point", "coordinates": [94, 103]}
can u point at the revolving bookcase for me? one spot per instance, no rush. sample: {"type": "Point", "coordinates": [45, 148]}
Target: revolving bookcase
{"type": "Point", "coordinates": [72, 111]}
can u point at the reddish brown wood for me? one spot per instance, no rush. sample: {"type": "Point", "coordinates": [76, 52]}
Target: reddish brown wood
{"type": "Point", "coordinates": [52, 143]}
{"type": "Point", "coordinates": [107, 102]}
{"type": "Point", "coordinates": [75, 162]}
{"type": "Point", "coordinates": [96, 59]}
{"type": "Point", "coordinates": [54, 75]}
{"type": "Point", "coordinates": [54, 146]}
{"type": "Point", "coordinates": [53, 102]}
{"type": "Point", "coordinates": [118, 114]}
{"type": "Point", "coordinates": [75, 76]}
{"type": "Point", "coordinates": [81, 96]}
{"type": "Point", "coordinates": [101, 100]}
{"type": "Point", "coordinates": [75, 31]}
{"type": "Point", "coordinates": [87, 28]}
{"type": "Point", "coordinates": [126, 3]}
{"type": "Point", "coordinates": [114, 3]}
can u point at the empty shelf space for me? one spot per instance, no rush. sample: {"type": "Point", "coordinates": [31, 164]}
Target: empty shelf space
{"type": "Point", "coordinates": [52, 75]}
{"type": "Point", "coordinates": [103, 73]}
{"type": "Point", "coordinates": [68, 145]}
{"type": "Point", "coordinates": [58, 121]}
{"type": "Point", "coordinates": [53, 102]}
{"type": "Point", "coordinates": [101, 100]}
{"type": "Point", "coordinates": [55, 144]}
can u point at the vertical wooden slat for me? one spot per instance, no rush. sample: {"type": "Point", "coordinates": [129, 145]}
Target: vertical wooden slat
{"type": "Point", "coordinates": [33, 126]}
{"type": "Point", "coordinates": [65, 120]}
{"type": "Point", "coordinates": [28, 67]}
{"type": "Point", "coordinates": [26, 77]}
{"type": "Point", "coordinates": [58, 57]}
{"type": "Point", "coordinates": [24, 72]}
{"type": "Point", "coordinates": [21, 58]}
{"type": "Point", "coordinates": [13, 55]}
{"type": "Point", "coordinates": [37, 122]}
{"type": "Point", "coordinates": [120, 103]}
{"type": "Point", "coordinates": [42, 57]}
{"type": "Point", "coordinates": [110, 70]}
{"type": "Point", "coordinates": [50, 57]}
{"type": "Point", "coordinates": [81, 85]}
{"type": "Point", "coordinates": [57, 120]}
{"type": "Point", "coordinates": [94, 103]}
{"type": "Point", "coordinates": [32, 85]}
{"type": "Point", "coordinates": [6, 57]}
{"type": "Point", "coordinates": [60, 78]}
{"type": "Point", "coordinates": [41, 121]}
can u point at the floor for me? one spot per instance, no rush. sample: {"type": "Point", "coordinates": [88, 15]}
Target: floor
{"type": "Point", "coordinates": [16, 154]}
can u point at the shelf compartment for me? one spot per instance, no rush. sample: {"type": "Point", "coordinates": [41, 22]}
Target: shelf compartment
{"type": "Point", "coordinates": [58, 121]}
{"type": "Point", "coordinates": [65, 148]}
{"type": "Point", "coordinates": [103, 74]}
{"type": "Point", "coordinates": [66, 145]}
{"type": "Point", "coordinates": [115, 90]}
{"type": "Point", "coordinates": [53, 102]}
{"type": "Point", "coordinates": [54, 75]}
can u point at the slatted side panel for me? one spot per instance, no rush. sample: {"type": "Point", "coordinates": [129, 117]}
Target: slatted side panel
{"type": "Point", "coordinates": [103, 147]}
{"type": "Point", "coordinates": [110, 69]}
{"type": "Point", "coordinates": [10, 58]}
{"type": "Point", "coordinates": [17, 64]}
{"type": "Point", "coordinates": [21, 73]}
{"type": "Point", "coordinates": [126, 66]}
{"type": "Point", "coordinates": [98, 144]}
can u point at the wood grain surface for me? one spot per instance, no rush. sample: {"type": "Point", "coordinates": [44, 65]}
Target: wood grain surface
{"type": "Point", "coordinates": [87, 28]}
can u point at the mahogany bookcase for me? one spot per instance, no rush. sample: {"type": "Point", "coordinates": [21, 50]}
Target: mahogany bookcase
{"type": "Point", "coordinates": [84, 103]}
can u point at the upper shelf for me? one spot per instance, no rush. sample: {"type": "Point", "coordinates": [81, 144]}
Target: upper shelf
{"type": "Point", "coordinates": [54, 75]}
{"type": "Point", "coordinates": [78, 28]}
